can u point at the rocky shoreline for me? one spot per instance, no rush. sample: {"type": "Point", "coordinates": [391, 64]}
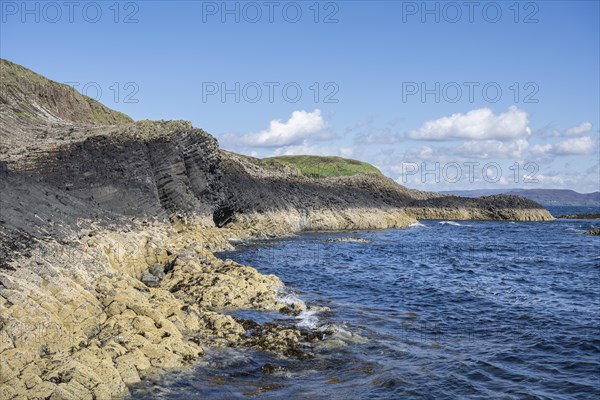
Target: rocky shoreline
{"type": "Point", "coordinates": [108, 229]}
{"type": "Point", "coordinates": [580, 216]}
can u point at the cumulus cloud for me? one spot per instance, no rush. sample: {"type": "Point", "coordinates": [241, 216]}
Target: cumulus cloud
{"type": "Point", "coordinates": [469, 150]}
{"type": "Point", "coordinates": [581, 145]}
{"type": "Point", "coordinates": [298, 127]}
{"type": "Point", "coordinates": [540, 149]}
{"type": "Point", "coordinates": [580, 129]}
{"type": "Point", "coordinates": [428, 153]}
{"type": "Point", "coordinates": [492, 148]}
{"type": "Point", "coordinates": [575, 146]}
{"type": "Point", "coordinates": [475, 125]}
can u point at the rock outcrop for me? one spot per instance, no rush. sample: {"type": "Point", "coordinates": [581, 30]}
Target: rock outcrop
{"type": "Point", "coordinates": [580, 216]}
{"type": "Point", "coordinates": [107, 229]}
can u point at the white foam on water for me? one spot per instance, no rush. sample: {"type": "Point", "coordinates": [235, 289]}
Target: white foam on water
{"type": "Point", "coordinates": [338, 336]}
{"type": "Point", "coordinates": [291, 300]}
{"type": "Point", "coordinates": [416, 225]}
{"type": "Point", "coordinates": [308, 319]}
{"type": "Point", "coordinates": [453, 223]}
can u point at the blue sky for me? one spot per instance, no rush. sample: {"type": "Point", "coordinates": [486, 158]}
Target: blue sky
{"type": "Point", "coordinates": [362, 68]}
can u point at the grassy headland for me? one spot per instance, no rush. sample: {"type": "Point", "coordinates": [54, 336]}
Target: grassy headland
{"type": "Point", "coordinates": [325, 167]}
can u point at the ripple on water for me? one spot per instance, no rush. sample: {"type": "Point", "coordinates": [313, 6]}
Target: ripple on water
{"type": "Point", "coordinates": [441, 310]}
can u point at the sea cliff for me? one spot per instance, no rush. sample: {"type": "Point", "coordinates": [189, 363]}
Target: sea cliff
{"type": "Point", "coordinates": [107, 233]}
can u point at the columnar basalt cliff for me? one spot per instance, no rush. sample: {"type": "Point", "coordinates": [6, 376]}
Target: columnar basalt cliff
{"type": "Point", "coordinates": [107, 229]}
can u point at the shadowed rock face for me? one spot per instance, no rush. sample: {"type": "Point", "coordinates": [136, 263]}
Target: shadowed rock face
{"type": "Point", "coordinates": [113, 168]}
{"type": "Point", "coordinates": [262, 190]}
{"type": "Point", "coordinates": [70, 158]}
{"type": "Point", "coordinates": [107, 227]}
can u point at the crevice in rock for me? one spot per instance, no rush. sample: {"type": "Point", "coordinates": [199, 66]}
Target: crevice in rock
{"type": "Point", "coordinates": [223, 215]}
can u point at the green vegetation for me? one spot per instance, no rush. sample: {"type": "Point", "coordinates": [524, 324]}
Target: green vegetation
{"type": "Point", "coordinates": [323, 167]}
{"type": "Point", "coordinates": [99, 114]}
{"type": "Point", "coordinates": [61, 99]}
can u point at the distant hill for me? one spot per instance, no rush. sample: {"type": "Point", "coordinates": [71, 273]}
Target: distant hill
{"type": "Point", "coordinates": [323, 167]}
{"type": "Point", "coordinates": [546, 197]}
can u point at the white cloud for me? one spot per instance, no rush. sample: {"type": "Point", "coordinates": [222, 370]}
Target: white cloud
{"type": "Point", "coordinates": [427, 153]}
{"type": "Point", "coordinates": [575, 146]}
{"type": "Point", "coordinates": [314, 150]}
{"type": "Point", "coordinates": [475, 124]}
{"type": "Point", "coordinates": [581, 145]}
{"type": "Point", "coordinates": [541, 149]}
{"type": "Point", "coordinates": [492, 148]}
{"type": "Point", "coordinates": [469, 150]}
{"type": "Point", "coordinates": [550, 179]}
{"type": "Point", "coordinates": [301, 125]}
{"type": "Point", "coordinates": [582, 128]}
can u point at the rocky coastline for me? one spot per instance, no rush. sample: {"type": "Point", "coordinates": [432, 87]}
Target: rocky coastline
{"type": "Point", "coordinates": [108, 229]}
{"type": "Point", "coordinates": [580, 216]}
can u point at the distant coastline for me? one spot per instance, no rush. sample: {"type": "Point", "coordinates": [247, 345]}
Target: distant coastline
{"type": "Point", "coordinates": [546, 197]}
{"type": "Point", "coordinates": [580, 216]}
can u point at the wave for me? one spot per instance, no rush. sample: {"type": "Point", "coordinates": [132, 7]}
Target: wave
{"type": "Point", "coordinates": [234, 240]}
{"type": "Point", "coordinates": [453, 223]}
{"type": "Point", "coordinates": [308, 319]}
{"type": "Point", "coordinates": [291, 300]}
{"type": "Point", "coordinates": [416, 225]}
{"type": "Point", "coordinates": [576, 230]}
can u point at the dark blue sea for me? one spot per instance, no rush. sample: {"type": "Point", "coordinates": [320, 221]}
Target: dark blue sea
{"type": "Point", "coordinates": [441, 310]}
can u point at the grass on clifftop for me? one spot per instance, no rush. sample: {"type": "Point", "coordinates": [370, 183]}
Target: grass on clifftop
{"type": "Point", "coordinates": [323, 167]}
{"type": "Point", "coordinates": [22, 87]}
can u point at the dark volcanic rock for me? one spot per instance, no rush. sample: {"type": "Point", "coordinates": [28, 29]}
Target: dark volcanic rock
{"type": "Point", "coordinates": [580, 216]}
{"type": "Point", "coordinates": [67, 162]}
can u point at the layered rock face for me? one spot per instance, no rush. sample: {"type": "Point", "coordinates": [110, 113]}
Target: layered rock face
{"type": "Point", "coordinates": [107, 229]}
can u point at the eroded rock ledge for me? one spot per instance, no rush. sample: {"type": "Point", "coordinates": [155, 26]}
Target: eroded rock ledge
{"type": "Point", "coordinates": [78, 323]}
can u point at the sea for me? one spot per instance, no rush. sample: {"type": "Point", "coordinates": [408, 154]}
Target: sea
{"type": "Point", "coordinates": [441, 310]}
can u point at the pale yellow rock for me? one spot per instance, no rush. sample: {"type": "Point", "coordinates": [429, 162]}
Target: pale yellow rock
{"type": "Point", "coordinates": [12, 389]}
{"type": "Point", "coordinates": [30, 376]}
{"type": "Point", "coordinates": [127, 370]}
{"type": "Point", "coordinates": [81, 311]}
{"type": "Point", "coordinates": [72, 390]}
{"type": "Point", "coordinates": [41, 391]}
{"type": "Point", "coordinates": [12, 362]}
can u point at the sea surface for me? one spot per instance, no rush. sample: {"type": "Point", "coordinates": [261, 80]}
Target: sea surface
{"type": "Point", "coordinates": [441, 310]}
